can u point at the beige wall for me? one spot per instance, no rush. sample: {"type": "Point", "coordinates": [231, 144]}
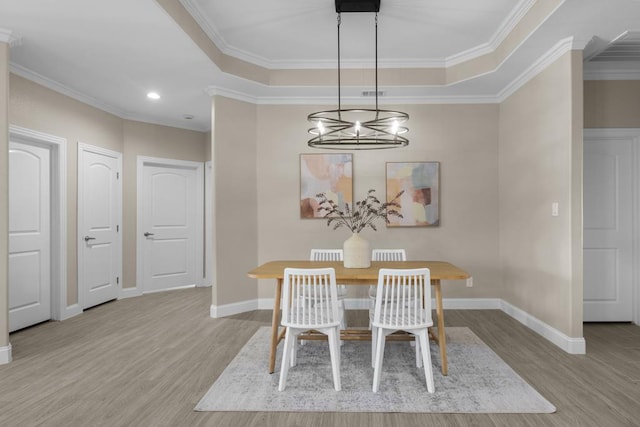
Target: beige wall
{"type": "Point", "coordinates": [540, 162]}
{"type": "Point", "coordinates": [612, 104]}
{"type": "Point", "coordinates": [144, 139]}
{"type": "Point", "coordinates": [233, 149]}
{"type": "Point", "coordinates": [36, 107]}
{"type": "Point", "coordinates": [463, 138]}
{"type": "Point", "coordinates": [207, 148]}
{"type": "Point", "coordinates": [4, 195]}
{"type": "Point", "coordinates": [501, 167]}
{"type": "Point", "coordinates": [577, 167]}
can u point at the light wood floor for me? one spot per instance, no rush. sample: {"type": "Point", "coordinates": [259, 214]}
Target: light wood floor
{"type": "Point", "coordinates": [147, 361]}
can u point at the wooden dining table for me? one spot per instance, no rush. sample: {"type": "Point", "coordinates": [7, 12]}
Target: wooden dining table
{"type": "Point", "coordinates": [359, 276]}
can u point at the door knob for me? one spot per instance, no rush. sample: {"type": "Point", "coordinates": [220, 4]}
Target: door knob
{"type": "Point", "coordinates": [87, 238]}
{"type": "Point", "coordinates": [147, 234]}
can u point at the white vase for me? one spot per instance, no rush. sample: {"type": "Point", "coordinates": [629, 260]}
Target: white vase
{"type": "Point", "coordinates": [357, 253]}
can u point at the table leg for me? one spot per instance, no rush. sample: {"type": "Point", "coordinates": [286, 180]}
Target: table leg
{"type": "Point", "coordinates": [275, 326]}
{"type": "Point", "coordinates": [442, 341]}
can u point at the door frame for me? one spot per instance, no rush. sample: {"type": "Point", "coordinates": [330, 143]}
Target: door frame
{"type": "Point", "coordinates": [82, 148]}
{"type": "Point", "coordinates": [143, 161]}
{"type": "Point", "coordinates": [57, 147]}
{"type": "Point", "coordinates": [209, 213]}
{"type": "Point", "coordinates": [632, 134]}
{"type": "Point", "coordinates": [208, 224]}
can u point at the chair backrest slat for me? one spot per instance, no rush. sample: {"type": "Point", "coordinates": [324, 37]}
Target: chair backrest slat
{"type": "Point", "coordinates": [326, 255]}
{"type": "Point", "coordinates": [388, 255]}
{"type": "Point", "coordinates": [310, 298]}
{"type": "Point", "coordinates": [403, 298]}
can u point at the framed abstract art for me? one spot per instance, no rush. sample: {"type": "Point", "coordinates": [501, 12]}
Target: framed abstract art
{"type": "Point", "coordinates": [331, 174]}
{"type": "Point", "coordinates": [420, 202]}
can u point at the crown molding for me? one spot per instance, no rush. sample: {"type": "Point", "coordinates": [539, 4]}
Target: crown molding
{"type": "Point", "coordinates": [355, 64]}
{"type": "Point", "coordinates": [548, 58]}
{"type": "Point", "coordinates": [168, 123]}
{"type": "Point", "coordinates": [85, 99]}
{"type": "Point", "coordinates": [552, 55]}
{"type": "Point", "coordinates": [612, 71]}
{"type": "Point", "coordinates": [230, 93]}
{"type": "Point", "coordinates": [7, 36]}
{"type": "Point", "coordinates": [33, 76]}
{"type": "Point", "coordinates": [544, 61]}
{"type": "Point", "coordinates": [504, 29]}
{"type": "Point", "coordinates": [303, 99]}
{"type": "Point", "coordinates": [404, 100]}
{"type": "Point", "coordinates": [198, 14]}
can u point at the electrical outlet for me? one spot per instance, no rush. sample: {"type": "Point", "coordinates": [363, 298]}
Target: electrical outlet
{"type": "Point", "coordinates": [470, 282]}
{"type": "Point", "coordinates": [554, 208]}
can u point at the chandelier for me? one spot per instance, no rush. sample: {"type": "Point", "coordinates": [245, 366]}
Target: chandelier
{"type": "Point", "coordinates": [362, 128]}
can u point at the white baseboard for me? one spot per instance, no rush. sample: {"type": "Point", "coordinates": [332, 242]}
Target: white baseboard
{"type": "Point", "coordinates": [567, 343]}
{"type": "Point", "coordinates": [447, 303]}
{"type": "Point", "coordinates": [470, 303]}
{"type": "Point", "coordinates": [265, 303]}
{"type": "Point", "coordinates": [217, 311]}
{"type": "Point", "coordinates": [71, 311]}
{"type": "Point", "coordinates": [5, 354]}
{"type": "Point", "coordinates": [353, 303]}
{"type": "Point", "coordinates": [170, 289]}
{"type": "Point", "coordinates": [350, 304]}
{"type": "Point", "coordinates": [136, 291]}
{"type": "Point", "coordinates": [129, 292]}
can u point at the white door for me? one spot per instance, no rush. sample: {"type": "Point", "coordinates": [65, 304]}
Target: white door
{"type": "Point", "coordinates": [29, 235]}
{"type": "Point", "coordinates": [608, 229]}
{"type": "Point", "coordinates": [99, 219]}
{"type": "Point", "coordinates": [171, 224]}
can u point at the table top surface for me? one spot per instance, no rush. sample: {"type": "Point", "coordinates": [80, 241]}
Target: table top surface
{"type": "Point", "coordinates": [439, 270]}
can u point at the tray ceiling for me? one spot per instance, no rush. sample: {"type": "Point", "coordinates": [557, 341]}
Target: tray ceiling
{"type": "Point", "coordinates": [110, 54]}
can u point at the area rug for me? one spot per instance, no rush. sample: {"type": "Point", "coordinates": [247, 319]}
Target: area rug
{"type": "Point", "coordinates": [479, 381]}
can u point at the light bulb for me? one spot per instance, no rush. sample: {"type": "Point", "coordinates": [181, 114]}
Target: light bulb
{"type": "Point", "coordinates": [394, 127]}
{"type": "Point", "coordinates": [357, 127]}
{"type": "Point", "coordinates": [320, 127]}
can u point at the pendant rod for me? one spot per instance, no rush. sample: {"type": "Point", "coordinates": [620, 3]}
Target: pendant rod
{"type": "Point", "coordinates": [339, 94]}
{"type": "Point", "coordinates": [376, 61]}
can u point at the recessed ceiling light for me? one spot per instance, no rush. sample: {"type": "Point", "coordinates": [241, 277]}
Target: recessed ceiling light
{"type": "Point", "coordinates": [153, 95]}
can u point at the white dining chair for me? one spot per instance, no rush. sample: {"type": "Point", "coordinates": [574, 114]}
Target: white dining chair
{"type": "Point", "coordinates": [388, 255]}
{"type": "Point", "coordinates": [382, 255]}
{"type": "Point", "coordinates": [403, 303]}
{"type": "Point", "coordinates": [310, 302]}
{"type": "Point", "coordinates": [385, 255]}
{"type": "Point", "coordinates": [333, 255]}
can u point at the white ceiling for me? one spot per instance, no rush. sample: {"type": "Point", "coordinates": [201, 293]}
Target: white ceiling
{"type": "Point", "coordinates": [111, 53]}
{"type": "Point", "coordinates": [303, 33]}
